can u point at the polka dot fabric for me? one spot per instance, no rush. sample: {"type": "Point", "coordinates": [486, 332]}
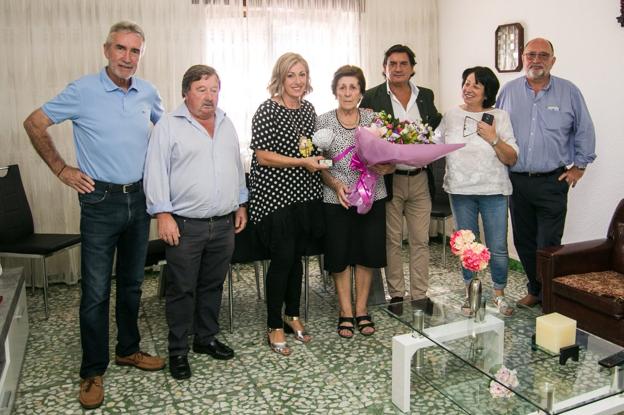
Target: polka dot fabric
{"type": "Point", "coordinates": [278, 129]}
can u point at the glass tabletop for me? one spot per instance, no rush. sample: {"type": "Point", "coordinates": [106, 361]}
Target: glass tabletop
{"type": "Point", "coordinates": [479, 355]}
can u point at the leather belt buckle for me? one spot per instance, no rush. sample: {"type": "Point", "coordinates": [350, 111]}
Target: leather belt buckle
{"type": "Point", "coordinates": [126, 188]}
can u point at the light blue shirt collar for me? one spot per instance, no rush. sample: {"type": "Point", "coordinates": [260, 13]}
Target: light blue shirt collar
{"type": "Point", "coordinates": [546, 88]}
{"type": "Point", "coordinates": [109, 85]}
{"type": "Point", "coordinates": [183, 112]}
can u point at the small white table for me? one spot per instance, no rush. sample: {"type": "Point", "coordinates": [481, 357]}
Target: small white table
{"type": "Point", "coordinates": [405, 345]}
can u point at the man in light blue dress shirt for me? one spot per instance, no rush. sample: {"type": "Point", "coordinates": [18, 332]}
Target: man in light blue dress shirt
{"type": "Point", "coordinates": [555, 134]}
{"type": "Point", "coordinates": [195, 186]}
{"type": "Point", "coordinates": [112, 113]}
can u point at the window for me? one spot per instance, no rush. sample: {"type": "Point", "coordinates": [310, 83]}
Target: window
{"type": "Point", "coordinates": [243, 49]}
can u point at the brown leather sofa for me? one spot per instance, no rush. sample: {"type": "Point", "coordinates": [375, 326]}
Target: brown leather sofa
{"type": "Point", "coordinates": [585, 281]}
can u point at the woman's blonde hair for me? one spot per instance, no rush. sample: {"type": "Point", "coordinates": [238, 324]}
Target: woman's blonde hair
{"type": "Point", "coordinates": [280, 70]}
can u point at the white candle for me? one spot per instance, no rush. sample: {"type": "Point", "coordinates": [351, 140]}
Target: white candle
{"type": "Point", "coordinates": [554, 331]}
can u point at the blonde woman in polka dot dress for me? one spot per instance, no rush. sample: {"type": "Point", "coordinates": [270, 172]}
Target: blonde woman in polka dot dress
{"type": "Point", "coordinates": [286, 193]}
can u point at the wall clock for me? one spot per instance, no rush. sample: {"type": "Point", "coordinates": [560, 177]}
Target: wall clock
{"type": "Point", "coordinates": [508, 47]}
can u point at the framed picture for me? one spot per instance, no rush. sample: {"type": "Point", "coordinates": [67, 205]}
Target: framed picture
{"type": "Point", "coordinates": [508, 47]}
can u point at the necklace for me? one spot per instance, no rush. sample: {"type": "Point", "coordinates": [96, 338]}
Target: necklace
{"type": "Point", "coordinates": [305, 145]}
{"type": "Point", "coordinates": [346, 124]}
{"type": "Point", "coordinates": [298, 104]}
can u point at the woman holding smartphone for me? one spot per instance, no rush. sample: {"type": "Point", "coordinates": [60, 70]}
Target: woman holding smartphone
{"type": "Point", "coordinates": [477, 177]}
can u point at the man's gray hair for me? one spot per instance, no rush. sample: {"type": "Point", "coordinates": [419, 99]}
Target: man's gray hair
{"type": "Point", "coordinates": [124, 26]}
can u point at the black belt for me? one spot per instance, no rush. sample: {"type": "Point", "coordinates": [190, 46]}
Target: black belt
{"type": "Point", "coordinates": [410, 172]}
{"type": "Point", "coordinates": [212, 219]}
{"type": "Point", "coordinates": [119, 188]}
{"type": "Point", "coordinates": [540, 174]}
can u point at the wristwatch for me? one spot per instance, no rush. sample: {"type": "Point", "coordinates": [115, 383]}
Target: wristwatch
{"type": "Point", "coordinates": [493, 143]}
{"type": "Point", "coordinates": [581, 168]}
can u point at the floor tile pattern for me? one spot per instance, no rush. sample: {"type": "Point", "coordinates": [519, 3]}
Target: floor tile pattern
{"type": "Point", "coordinates": [330, 375]}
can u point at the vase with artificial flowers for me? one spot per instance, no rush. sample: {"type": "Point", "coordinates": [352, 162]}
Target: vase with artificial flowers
{"type": "Point", "coordinates": [474, 257]}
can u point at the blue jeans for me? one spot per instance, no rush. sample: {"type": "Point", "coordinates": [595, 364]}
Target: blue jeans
{"type": "Point", "coordinates": [110, 221]}
{"type": "Point", "coordinates": [493, 210]}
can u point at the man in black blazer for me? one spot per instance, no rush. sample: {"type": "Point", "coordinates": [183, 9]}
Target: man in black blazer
{"type": "Point", "coordinates": [408, 188]}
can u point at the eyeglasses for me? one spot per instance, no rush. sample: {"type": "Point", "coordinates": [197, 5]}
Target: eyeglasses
{"type": "Point", "coordinates": [534, 55]}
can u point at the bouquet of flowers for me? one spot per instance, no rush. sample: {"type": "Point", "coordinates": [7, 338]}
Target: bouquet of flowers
{"type": "Point", "coordinates": [474, 256]}
{"type": "Point", "coordinates": [402, 132]}
{"type": "Point", "coordinates": [505, 377]}
{"type": "Point", "coordinates": [401, 142]}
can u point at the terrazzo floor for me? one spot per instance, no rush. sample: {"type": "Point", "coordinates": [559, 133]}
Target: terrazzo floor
{"type": "Point", "coordinates": [330, 375]}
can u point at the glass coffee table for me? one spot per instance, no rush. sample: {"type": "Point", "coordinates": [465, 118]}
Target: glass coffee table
{"type": "Point", "coordinates": [460, 357]}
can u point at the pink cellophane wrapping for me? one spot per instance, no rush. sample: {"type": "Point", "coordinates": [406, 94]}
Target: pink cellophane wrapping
{"type": "Point", "coordinates": [373, 150]}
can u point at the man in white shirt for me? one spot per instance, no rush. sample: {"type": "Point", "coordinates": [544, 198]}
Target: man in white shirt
{"type": "Point", "coordinates": [408, 188]}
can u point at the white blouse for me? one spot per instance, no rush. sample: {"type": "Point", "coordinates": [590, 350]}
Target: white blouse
{"type": "Point", "coordinates": [475, 169]}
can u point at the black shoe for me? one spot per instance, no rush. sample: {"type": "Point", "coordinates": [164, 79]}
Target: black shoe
{"type": "Point", "coordinates": [215, 349]}
{"type": "Point", "coordinates": [179, 367]}
{"type": "Point", "coordinates": [396, 306]}
{"type": "Point", "coordinates": [425, 304]}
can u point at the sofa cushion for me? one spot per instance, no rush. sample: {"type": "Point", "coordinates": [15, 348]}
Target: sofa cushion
{"type": "Point", "coordinates": [617, 256]}
{"type": "Point", "coordinates": [601, 291]}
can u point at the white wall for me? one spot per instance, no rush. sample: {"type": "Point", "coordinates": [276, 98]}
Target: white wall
{"type": "Point", "coordinates": [589, 46]}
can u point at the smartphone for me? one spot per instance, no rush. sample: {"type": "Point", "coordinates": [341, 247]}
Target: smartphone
{"type": "Point", "coordinates": [487, 118]}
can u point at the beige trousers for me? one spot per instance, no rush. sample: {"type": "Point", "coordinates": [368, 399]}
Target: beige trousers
{"type": "Point", "coordinates": [412, 199]}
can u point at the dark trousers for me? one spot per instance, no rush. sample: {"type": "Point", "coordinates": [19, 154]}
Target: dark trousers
{"type": "Point", "coordinates": [110, 221]}
{"type": "Point", "coordinates": [538, 207]}
{"type": "Point", "coordinates": [283, 280]}
{"type": "Point", "coordinates": [196, 271]}
{"type": "Point", "coordinates": [284, 236]}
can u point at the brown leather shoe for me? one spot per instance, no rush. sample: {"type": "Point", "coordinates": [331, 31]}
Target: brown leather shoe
{"type": "Point", "coordinates": [141, 360]}
{"type": "Point", "coordinates": [528, 300]}
{"type": "Point", "coordinates": [91, 392]}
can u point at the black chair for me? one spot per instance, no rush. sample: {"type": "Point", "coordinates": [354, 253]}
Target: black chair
{"type": "Point", "coordinates": [156, 258]}
{"type": "Point", "coordinates": [313, 248]}
{"type": "Point", "coordinates": [440, 205]}
{"type": "Point", "coordinates": [247, 248]}
{"type": "Point", "coordinates": [17, 237]}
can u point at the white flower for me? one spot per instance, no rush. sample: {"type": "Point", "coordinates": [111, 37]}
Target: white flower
{"type": "Point", "coordinates": [323, 138]}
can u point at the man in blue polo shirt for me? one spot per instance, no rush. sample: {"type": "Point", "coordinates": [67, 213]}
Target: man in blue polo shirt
{"type": "Point", "coordinates": [112, 113]}
{"type": "Point", "coordinates": [556, 137]}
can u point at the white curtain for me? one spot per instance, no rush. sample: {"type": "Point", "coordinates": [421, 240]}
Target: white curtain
{"type": "Point", "coordinates": [47, 44]}
{"type": "Point", "coordinates": [410, 22]}
{"type": "Point", "coordinates": [324, 32]}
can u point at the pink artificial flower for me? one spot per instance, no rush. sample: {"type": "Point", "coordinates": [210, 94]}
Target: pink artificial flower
{"type": "Point", "coordinates": [508, 378]}
{"type": "Point", "coordinates": [475, 257]}
{"type": "Point", "coordinates": [460, 240]}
